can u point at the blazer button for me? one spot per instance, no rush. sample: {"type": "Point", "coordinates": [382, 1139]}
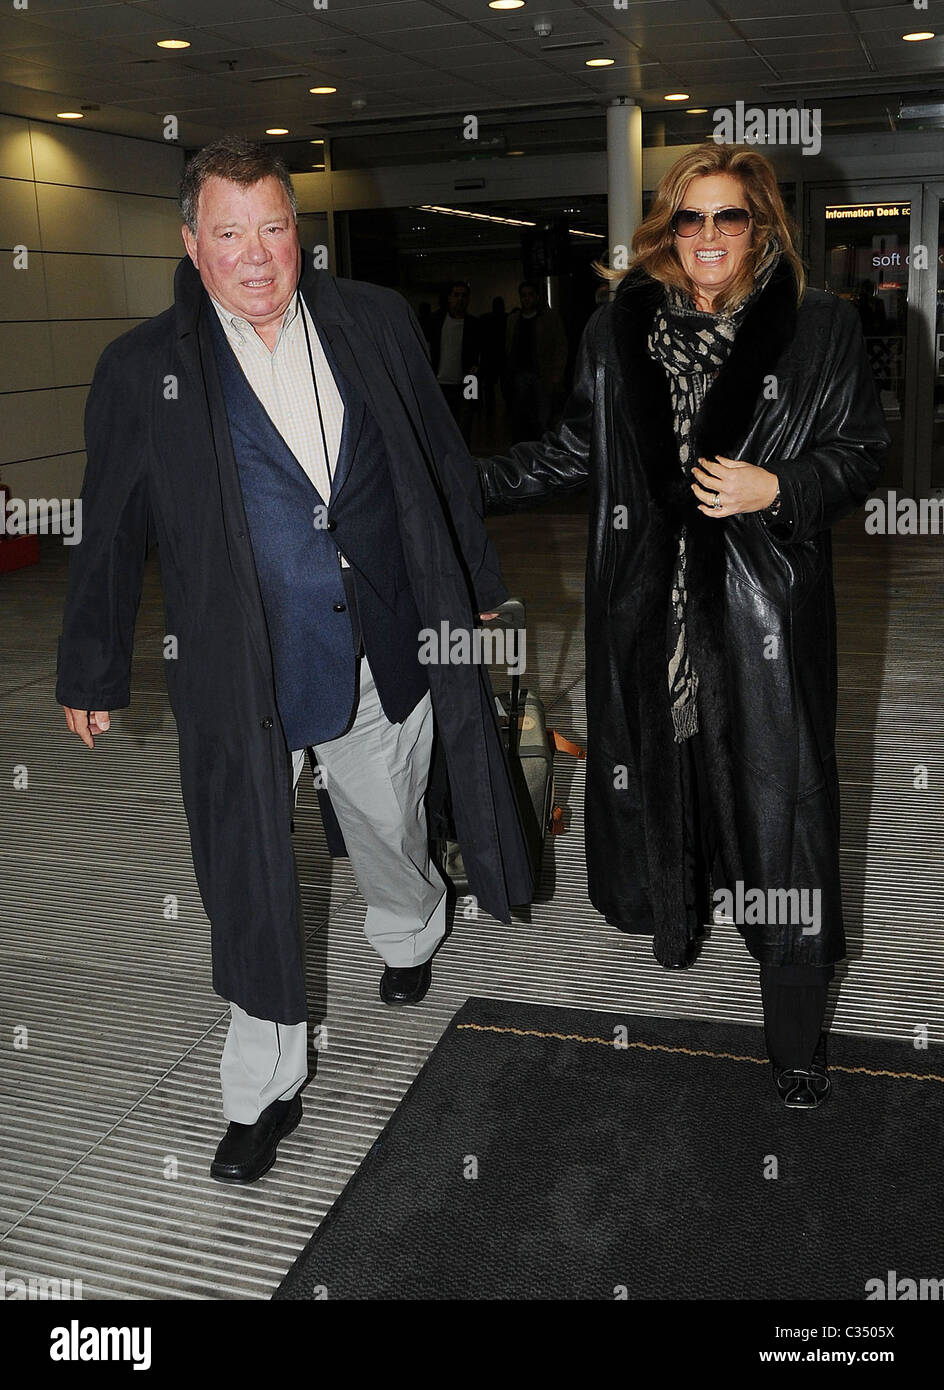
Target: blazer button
{"type": "Point", "coordinates": [332, 524]}
{"type": "Point", "coordinates": [339, 607]}
{"type": "Point", "coordinates": [267, 723]}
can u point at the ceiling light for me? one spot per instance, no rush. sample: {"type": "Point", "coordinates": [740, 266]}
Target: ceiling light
{"type": "Point", "coordinates": [505, 221]}
{"type": "Point", "coordinates": [276, 130]}
{"type": "Point", "coordinates": [322, 91]}
{"type": "Point", "coordinates": [696, 110]}
{"type": "Point", "coordinates": [511, 152]}
{"type": "Point", "coordinates": [173, 43]}
{"type": "Point", "coordinates": [600, 62]}
{"type": "Point", "coordinates": [505, 4]}
{"type": "Point", "coordinates": [316, 142]}
{"type": "Point", "coordinates": [70, 116]}
{"type": "Point", "coordinates": [918, 36]}
{"type": "Point", "coordinates": [678, 96]}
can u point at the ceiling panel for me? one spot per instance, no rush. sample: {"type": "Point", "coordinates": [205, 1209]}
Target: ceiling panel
{"type": "Point", "coordinates": [902, 19]}
{"type": "Point", "coordinates": [434, 55]}
{"type": "Point", "coordinates": [762, 9]}
{"type": "Point", "coordinates": [212, 12]}
{"type": "Point", "coordinates": [792, 26]}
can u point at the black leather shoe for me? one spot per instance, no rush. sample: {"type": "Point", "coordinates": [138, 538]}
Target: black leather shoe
{"type": "Point", "coordinates": [246, 1152]}
{"type": "Point", "coordinates": [407, 985]}
{"type": "Point", "coordinates": [803, 1088]}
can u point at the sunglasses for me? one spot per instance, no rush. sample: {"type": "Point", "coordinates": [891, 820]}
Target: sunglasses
{"type": "Point", "coordinates": [730, 221]}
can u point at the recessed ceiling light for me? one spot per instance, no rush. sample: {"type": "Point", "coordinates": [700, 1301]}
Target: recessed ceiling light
{"type": "Point", "coordinates": [173, 43]}
{"type": "Point", "coordinates": [276, 130]}
{"type": "Point", "coordinates": [696, 111]}
{"type": "Point", "coordinates": [505, 4]}
{"type": "Point", "coordinates": [511, 152]}
{"type": "Point", "coordinates": [918, 36]}
{"type": "Point", "coordinates": [316, 142]}
{"type": "Point", "coordinates": [678, 96]}
{"type": "Point", "coordinates": [70, 115]}
{"type": "Point", "coordinates": [600, 62]}
{"type": "Point", "coordinates": [322, 91]}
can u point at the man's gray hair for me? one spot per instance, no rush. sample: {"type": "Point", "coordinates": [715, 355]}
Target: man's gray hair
{"type": "Point", "coordinates": [240, 161]}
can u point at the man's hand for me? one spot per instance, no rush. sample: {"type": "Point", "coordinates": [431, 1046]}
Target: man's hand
{"type": "Point", "coordinates": [85, 723]}
{"type": "Point", "coordinates": [740, 486]}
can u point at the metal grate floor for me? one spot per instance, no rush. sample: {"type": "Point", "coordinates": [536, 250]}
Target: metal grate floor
{"type": "Point", "coordinates": [111, 1109]}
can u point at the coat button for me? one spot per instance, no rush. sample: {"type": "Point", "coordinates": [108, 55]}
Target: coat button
{"type": "Point", "coordinates": [267, 723]}
{"type": "Point", "coordinates": [340, 607]}
{"type": "Point", "coordinates": [332, 524]}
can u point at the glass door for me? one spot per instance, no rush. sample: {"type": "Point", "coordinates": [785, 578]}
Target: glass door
{"type": "Point", "coordinates": [861, 240]}
{"type": "Point", "coordinates": [930, 426]}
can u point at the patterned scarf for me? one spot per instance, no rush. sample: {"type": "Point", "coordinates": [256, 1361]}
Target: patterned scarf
{"type": "Point", "coordinates": [693, 346]}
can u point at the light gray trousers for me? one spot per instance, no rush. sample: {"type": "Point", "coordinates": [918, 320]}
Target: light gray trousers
{"type": "Point", "coordinates": [375, 775]}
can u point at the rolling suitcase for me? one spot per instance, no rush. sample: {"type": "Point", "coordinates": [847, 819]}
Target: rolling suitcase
{"type": "Point", "coordinates": [530, 747]}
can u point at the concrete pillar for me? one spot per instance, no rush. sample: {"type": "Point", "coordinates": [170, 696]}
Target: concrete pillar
{"type": "Point", "coordinates": [624, 176]}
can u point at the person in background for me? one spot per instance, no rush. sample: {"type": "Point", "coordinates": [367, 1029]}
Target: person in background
{"type": "Point", "coordinates": [492, 330]}
{"type": "Point", "coordinates": [454, 353]}
{"type": "Point", "coordinates": [536, 357]}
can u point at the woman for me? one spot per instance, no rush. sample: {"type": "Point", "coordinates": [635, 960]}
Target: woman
{"type": "Point", "coordinates": [723, 418]}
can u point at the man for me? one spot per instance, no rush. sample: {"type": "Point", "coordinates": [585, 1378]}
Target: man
{"type": "Point", "coordinates": [454, 349]}
{"type": "Point", "coordinates": [281, 434]}
{"type": "Point", "coordinates": [536, 359]}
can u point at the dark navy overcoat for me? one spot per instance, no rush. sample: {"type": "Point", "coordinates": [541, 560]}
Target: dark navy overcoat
{"type": "Point", "coordinates": [161, 466]}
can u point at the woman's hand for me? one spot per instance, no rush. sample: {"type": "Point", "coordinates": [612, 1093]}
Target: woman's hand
{"type": "Point", "coordinates": [738, 485]}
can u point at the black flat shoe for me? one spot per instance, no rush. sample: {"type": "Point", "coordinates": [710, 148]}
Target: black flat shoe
{"type": "Point", "coordinates": [803, 1088]}
{"type": "Point", "coordinates": [406, 985]}
{"type": "Point", "coordinates": [246, 1152]}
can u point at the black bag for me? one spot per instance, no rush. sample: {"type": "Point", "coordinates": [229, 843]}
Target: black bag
{"type": "Point", "coordinates": [530, 747]}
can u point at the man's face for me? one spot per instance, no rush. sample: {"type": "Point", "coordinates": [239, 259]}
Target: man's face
{"type": "Point", "coordinates": [246, 248]}
{"type": "Point", "coordinates": [529, 300]}
{"type": "Point", "coordinates": [458, 301]}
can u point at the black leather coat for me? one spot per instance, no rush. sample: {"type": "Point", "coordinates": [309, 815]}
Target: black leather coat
{"type": "Point", "coordinates": [795, 396]}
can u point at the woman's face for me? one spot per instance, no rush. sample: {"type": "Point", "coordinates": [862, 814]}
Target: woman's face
{"type": "Point", "coordinates": [711, 258]}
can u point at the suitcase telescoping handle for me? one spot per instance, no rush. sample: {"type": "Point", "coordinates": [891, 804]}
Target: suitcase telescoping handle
{"type": "Point", "coordinates": [511, 615]}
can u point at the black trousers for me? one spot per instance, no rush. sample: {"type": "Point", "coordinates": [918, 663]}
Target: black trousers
{"type": "Point", "coordinates": [794, 996]}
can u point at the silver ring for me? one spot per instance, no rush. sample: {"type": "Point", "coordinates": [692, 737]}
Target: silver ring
{"type": "Point", "coordinates": [717, 502]}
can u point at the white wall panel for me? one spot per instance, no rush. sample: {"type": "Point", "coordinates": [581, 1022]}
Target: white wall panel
{"type": "Point", "coordinates": [78, 219]}
{"type": "Point", "coordinates": [60, 476]}
{"type": "Point", "coordinates": [22, 292]}
{"type": "Point", "coordinates": [90, 159]}
{"type": "Point", "coordinates": [16, 159]}
{"type": "Point", "coordinates": [149, 226]}
{"type": "Point", "coordinates": [31, 426]}
{"type": "Point", "coordinates": [19, 224]}
{"type": "Point", "coordinates": [77, 346]}
{"type": "Point", "coordinates": [86, 287]}
{"type": "Point", "coordinates": [26, 354]}
{"type": "Point", "coordinates": [150, 285]}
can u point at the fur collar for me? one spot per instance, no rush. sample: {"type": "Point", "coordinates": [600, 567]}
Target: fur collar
{"type": "Point", "coordinates": [728, 409]}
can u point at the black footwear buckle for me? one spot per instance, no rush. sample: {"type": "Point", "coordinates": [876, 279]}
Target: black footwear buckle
{"type": "Point", "coordinates": [803, 1088]}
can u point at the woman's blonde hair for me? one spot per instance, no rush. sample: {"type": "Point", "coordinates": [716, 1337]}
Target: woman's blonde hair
{"type": "Point", "coordinates": [654, 240]}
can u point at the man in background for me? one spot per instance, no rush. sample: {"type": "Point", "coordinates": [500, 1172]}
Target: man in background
{"type": "Point", "coordinates": [536, 358]}
{"type": "Point", "coordinates": [454, 350]}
